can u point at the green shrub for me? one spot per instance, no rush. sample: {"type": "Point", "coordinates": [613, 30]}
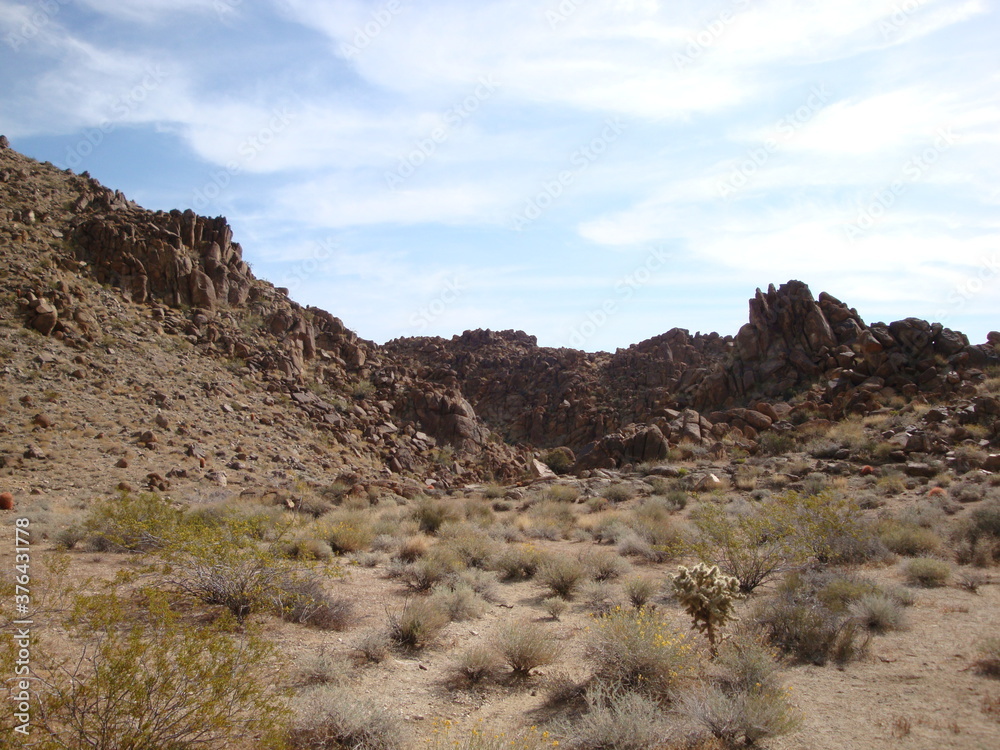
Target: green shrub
{"type": "Point", "coordinates": [775, 443]}
{"type": "Point", "coordinates": [431, 513]}
{"type": "Point", "coordinates": [473, 546]}
{"type": "Point", "coordinates": [132, 523]}
{"type": "Point", "coordinates": [560, 460]}
{"type": "Point", "coordinates": [155, 683]}
{"type": "Point", "coordinates": [638, 649]}
{"type": "Point", "coordinates": [927, 572]}
{"type": "Point", "coordinates": [525, 646]}
{"type": "Point", "coordinates": [435, 567]}
{"type": "Point", "coordinates": [603, 564]}
{"type": "Point", "coordinates": [348, 530]}
{"type": "Point", "coordinates": [753, 546]}
{"type": "Point", "coordinates": [336, 717]}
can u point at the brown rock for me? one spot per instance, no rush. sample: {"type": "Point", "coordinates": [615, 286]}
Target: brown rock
{"type": "Point", "coordinates": [42, 420]}
{"type": "Point", "coordinates": [6, 501]}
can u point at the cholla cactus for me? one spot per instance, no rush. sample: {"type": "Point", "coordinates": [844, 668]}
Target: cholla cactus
{"type": "Point", "coordinates": [708, 595]}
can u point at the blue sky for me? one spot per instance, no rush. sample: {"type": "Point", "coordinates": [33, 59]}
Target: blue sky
{"type": "Point", "coordinates": [593, 172]}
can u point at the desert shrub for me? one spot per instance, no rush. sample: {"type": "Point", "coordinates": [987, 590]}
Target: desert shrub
{"type": "Point", "coordinates": [927, 572]}
{"type": "Point", "coordinates": [655, 534]}
{"type": "Point", "coordinates": [773, 443]}
{"type": "Point", "coordinates": [562, 493]}
{"type": "Point", "coordinates": [69, 537]}
{"type": "Point", "coordinates": [374, 645]}
{"type": "Point", "coordinates": [638, 649]}
{"type": "Point", "coordinates": [417, 624]}
{"type": "Point", "coordinates": [560, 460]}
{"type": "Point", "coordinates": [483, 582]}
{"type": "Point", "coordinates": [412, 548]}
{"type": "Point", "coordinates": [132, 523]}
{"type": "Point", "coordinates": [435, 567]}
{"type": "Point", "coordinates": [603, 564]}
{"type": "Point", "coordinates": [518, 562]}
{"type": "Point", "coordinates": [216, 568]}
{"type": "Point", "coordinates": [640, 590]}
{"type": "Point", "coordinates": [336, 718]}
{"type": "Point", "coordinates": [307, 549]}
{"type": "Point", "coordinates": [449, 735]}
{"type": "Point", "coordinates": [431, 513]}
{"type": "Point", "coordinates": [458, 601]}
{"type": "Point", "coordinates": [878, 613]}
{"type": "Point", "coordinates": [752, 546]}
{"type": "Point", "coordinates": [548, 519]}
{"type": "Point", "coordinates": [555, 606]}
{"type": "Point", "coordinates": [827, 527]}
{"type": "Point", "coordinates": [473, 546]}
{"type": "Point", "coordinates": [971, 580]}
{"type": "Point", "coordinates": [561, 575]}
{"type": "Point", "coordinates": [476, 664]}
{"type": "Point", "coordinates": [618, 493]}
{"type": "Point", "coordinates": [809, 623]}
{"type": "Point", "coordinates": [304, 600]}
{"type": "Point", "coordinates": [494, 491]}
{"type": "Point", "coordinates": [321, 667]}
{"type": "Point", "coordinates": [709, 598]}
{"type": "Point", "coordinates": [525, 646]}
{"type": "Point", "coordinates": [619, 719]}
{"type": "Point", "coordinates": [155, 683]}
{"type": "Point", "coordinates": [744, 716]}
{"type": "Point", "coordinates": [908, 539]}
{"type": "Point", "coordinates": [988, 661]}
{"type": "Point", "coordinates": [598, 596]}
{"type": "Point", "coordinates": [348, 530]}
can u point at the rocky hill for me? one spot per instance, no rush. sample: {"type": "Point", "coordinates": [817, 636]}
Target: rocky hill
{"type": "Point", "coordinates": [213, 375]}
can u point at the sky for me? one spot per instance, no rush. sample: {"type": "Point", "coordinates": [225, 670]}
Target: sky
{"type": "Point", "coordinates": [593, 172]}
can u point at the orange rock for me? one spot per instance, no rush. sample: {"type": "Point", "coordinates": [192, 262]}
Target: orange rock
{"type": "Point", "coordinates": [6, 501]}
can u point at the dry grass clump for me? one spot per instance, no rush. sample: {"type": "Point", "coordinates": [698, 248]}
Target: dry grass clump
{"type": "Point", "coordinates": [373, 645]}
{"type": "Point", "coordinates": [473, 546]}
{"type": "Point", "coordinates": [561, 575]}
{"type": "Point", "coordinates": [517, 562]}
{"type": "Point", "coordinates": [640, 589]}
{"type": "Point", "coordinates": [927, 572]}
{"type": "Point", "coordinates": [879, 613]}
{"type": "Point", "coordinates": [618, 493]}
{"type": "Point", "coordinates": [562, 493]}
{"type": "Point", "coordinates": [347, 530]}
{"type": "Point", "coordinates": [417, 623]}
{"type": "Point", "coordinates": [639, 650]}
{"type": "Point", "coordinates": [327, 717]}
{"type": "Point", "coordinates": [320, 667]}
{"type": "Point", "coordinates": [977, 538]}
{"type": "Point", "coordinates": [431, 513]}
{"type": "Point", "coordinates": [988, 663]}
{"type": "Point", "coordinates": [603, 564]}
{"type": "Point", "coordinates": [304, 600]}
{"type": "Point", "coordinates": [525, 646]}
{"type": "Point", "coordinates": [477, 664]}
{"type": "Point", "coordinates": [437, 566]}
{"type": "Point", "coordinates": [650, 532]}
{"type": "Point", "coordinates": [555, 607]}
{"type": "Point", "coordinates": [619, 719]}
{"type": "Point", "coordinates": [548, 519]}
{"type": "Point", "coordinates": [908, 539]}
{"type": "Point", "coordinates": [458, 600]}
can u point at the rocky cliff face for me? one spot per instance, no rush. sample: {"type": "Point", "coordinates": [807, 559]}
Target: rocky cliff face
{"type": "Point", "coordinates": [431, 407]}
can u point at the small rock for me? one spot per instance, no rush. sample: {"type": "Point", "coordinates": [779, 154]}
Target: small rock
{"type": "Point", "coordinates": [122, 463]}
{"type": "Point", "coordinates": [6, 501]}
{"type": "Point", "coordinates": [42, 420]}
{"type": "Point", "coordinates": [35, 452]}
{"type": "Point", "coordinates": [162, 422]}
